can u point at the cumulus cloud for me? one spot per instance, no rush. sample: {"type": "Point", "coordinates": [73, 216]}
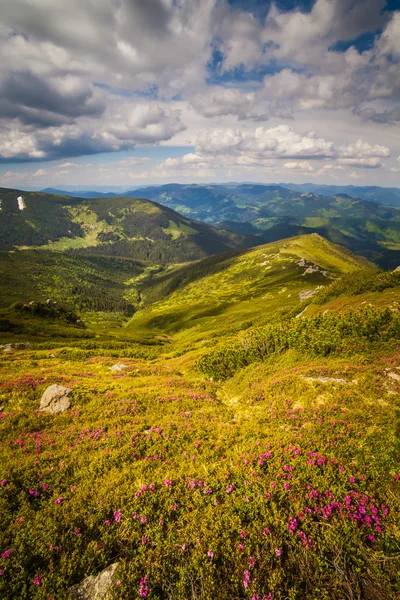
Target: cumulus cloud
{"type": "Point", "coordinates": [110, 75]}
{"type": "Point", "coordinates": [281, 142]}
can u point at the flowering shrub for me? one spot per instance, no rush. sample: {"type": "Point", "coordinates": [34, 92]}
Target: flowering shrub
{"type": "Point", "coordinates": [321, 335]}
{"type": "Point", "coordinates": [273, 485]}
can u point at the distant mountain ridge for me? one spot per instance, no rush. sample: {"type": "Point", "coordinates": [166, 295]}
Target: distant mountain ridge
{"type": "Point", "coordinates": [275, 212]}
{"type": "Point", "coordinates": [367, 226]}
{"type": "Point", "coordinates": [134, 228]}
{"type": "Point", "coordinates": [379, 195]}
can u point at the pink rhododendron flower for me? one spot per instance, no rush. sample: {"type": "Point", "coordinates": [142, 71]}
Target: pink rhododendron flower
{"type": "Point", "coordinates": [144, 588]}
{"type": "Point", "coordinates": [117, 516]}
{"type": "Point", "coordinates": [38, 579]}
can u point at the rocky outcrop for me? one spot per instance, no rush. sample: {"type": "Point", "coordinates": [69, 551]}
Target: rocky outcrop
{"type": "Point", "coordinates": [393, 375]}
{"type": "Point", "coordinates": [16, 346]}
{"type": "Point", "coordinates": [55, 399]}
{"type": "Point", "coordinates": [306, 294]}
{"type": "Point", "coordinates": [331, 380]}
{"type": "Point", "coordinates": [119, 367]}
{"type": "Point", "coordinates": [95, 587]}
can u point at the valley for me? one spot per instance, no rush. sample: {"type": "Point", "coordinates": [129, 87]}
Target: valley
{"type": "Point", "coordinates": [232, 424]}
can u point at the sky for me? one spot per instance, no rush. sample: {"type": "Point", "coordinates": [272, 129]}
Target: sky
{"type": "Point", "coordinates": [142, 92]}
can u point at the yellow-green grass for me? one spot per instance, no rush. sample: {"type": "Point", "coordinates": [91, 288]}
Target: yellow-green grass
{"type": "Point", "coordinates": [245, 288]}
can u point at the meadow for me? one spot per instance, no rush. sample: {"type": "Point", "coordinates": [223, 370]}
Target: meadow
{"type": "Point", "coordinates": [272, 474]}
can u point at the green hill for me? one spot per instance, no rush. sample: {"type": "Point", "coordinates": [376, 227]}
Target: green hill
{"type": "Point", "coordinates": [87, 283]}
{"type": "Point", "coordinates": [232, 291]}
{"type": "Point", "coordinates": [231, 442]}
{"type": "Point", "coordinates": [124, 227]}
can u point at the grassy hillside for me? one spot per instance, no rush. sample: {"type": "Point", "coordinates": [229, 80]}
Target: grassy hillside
{"type": "Point", "coordinates": [87, 283]}
{"type": "Point", "coordinates": [124, 227]}
{"type": "Point", "coordinates": [279, 478]}
{"type": "Point", "coordinates": [232, 291]}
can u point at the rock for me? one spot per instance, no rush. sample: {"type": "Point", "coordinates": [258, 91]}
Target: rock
{"type": "Point", "coordinates": [95, 587]}
{"type": "Point", "coordinates": [397, 269]}
{"type": "Point", "coordinates": [393, 375]}
{"type": "Point", "coordinates": [55, 399]}
{"type": "Point", "coordinates": [119, 367]}
{"type": "Point", "coordinates": [306, 294]}
{"type": "Point", "coordinates": [52, 355]}
{"type": "Point", "coordinates": [7, 347]}
{"type": "Point", "coordinates": [302, 262]}
{"type": "Point", "coordinates": [16, 346]}
{"type": "Point", "coordinates": [311, 269]}
{"type": "Point", "coordinates": [331, 380]}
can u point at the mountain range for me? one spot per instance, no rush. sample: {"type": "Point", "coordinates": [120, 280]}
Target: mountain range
{"type": "Point", "coordinates": [175, 222]}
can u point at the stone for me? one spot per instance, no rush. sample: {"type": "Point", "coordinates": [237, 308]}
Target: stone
{"type": "Point", "coordinates": [55, 399]}
{"type": "Point", "coordinates": [311, 269]}
{"type": "Point", "coordinates": [16, 346]}
{"type": "Point", "coordinates": [306, 294]}
{"type": "Point", "coordinates": [119, 367]}
{"type": "Point", "coordinates": [393, 375]}
{"type": "Point", "coordinates": [331, 380]}
{"type": "Point", "coordinates": [397, 269]}
{"type": "Point", "coordinates": [7, 347]}
{"type": "Point", "coordinates": [95, 587]}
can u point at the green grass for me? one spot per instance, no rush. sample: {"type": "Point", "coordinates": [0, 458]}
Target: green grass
{"type": "Point", "coordinates": [277, 479]}
{"type": "Point", "coordinates": [232, 291]}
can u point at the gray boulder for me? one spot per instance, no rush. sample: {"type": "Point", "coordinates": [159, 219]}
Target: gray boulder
{"type": "Point", "coordinates": [55, 399]}
{"type": "Point", "coordinates": [95, 587]}
{"type": "Point", "coordinates": [119, 367]}
{"type": "Point", "coordinates": [393, 375]}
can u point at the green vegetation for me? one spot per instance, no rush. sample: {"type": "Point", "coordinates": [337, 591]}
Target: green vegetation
{"type": "Point", "coordinates": [85, 283]}
{"type": "Point", "coordinates": [357, 283]}
{"type": "Point", "coordinates": [274, 212]}
{"type": "Point", "coordinates": [233, 291]}
{"type": "Point", "coordinates": [118, 227]}
{"type": "Point", "coordinates": [321, 335]}
{"type": "Point", "coordinates": [248, 447]}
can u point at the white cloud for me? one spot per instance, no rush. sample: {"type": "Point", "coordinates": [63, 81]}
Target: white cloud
{"type": "Point", "coordinates": [366, 163]}
{"type": "Point", "coordinates": [133, 72]}
{"type": "Point", "coordinates": [303, 166]}
{"type": "Point", "coordinates": [40, 173]}
{"type": "Point", "coordinates": [276, 142]}
{"type": "Point", "coordinates": [363, 150]}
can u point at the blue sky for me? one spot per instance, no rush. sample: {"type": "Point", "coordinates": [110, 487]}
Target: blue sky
{"type": "Point", "coordinates": [126, 92]}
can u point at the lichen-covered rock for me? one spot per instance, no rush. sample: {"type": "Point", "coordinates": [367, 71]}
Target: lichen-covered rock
{"type": "Point", "coordinates": [306, 294]}
{"type": "Point", "coordinates": [393, 375]}
{"type": "Point", "coordinates": [95, 587]}
{"type": "Point", "coordinates": [55, 399]}
{"type": "Point", "coordinates": [118, 367]}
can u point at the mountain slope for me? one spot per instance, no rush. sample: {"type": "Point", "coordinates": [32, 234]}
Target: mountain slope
{"type": "Point", "coordinates": [234, 290]}
{"type": "Point", "coordinates": [128, 227]}
{"type": "Point", "coordinates": [250, 202]}
{"type": "Point", "coordinates": [276, 212]}
{"type": "Point", "coordinates": [374, 193]}
{"type": "Point", "coordinates": [87, 283]}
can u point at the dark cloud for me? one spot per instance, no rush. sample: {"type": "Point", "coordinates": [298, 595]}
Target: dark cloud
{"type": "Point", "coordinates": [386, 116]}
{"type": "Point", "coordinates": [33, 100]}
